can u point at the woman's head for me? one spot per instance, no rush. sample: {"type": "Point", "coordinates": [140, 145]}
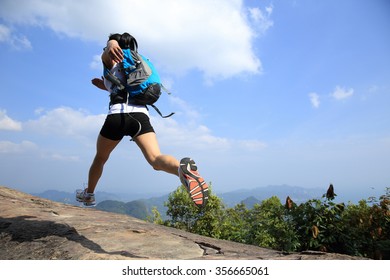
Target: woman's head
{"type": "Point", "coordinates": [125, 40]}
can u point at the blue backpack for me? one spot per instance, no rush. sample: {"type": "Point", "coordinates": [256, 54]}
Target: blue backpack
{"type": "Point", "coordinates": [143, 85]}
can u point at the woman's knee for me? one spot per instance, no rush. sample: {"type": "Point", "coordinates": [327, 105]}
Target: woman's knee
{"type": "Point", "coordinates": [165, 163]}
{"type": "Point", "coordinates": [101, 158]}
{"type": "Point", "coordinates": [104, 147]}
{"type": "Point", "coordinates": [155, 162]}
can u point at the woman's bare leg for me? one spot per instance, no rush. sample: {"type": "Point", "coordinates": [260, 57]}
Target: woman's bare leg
{"type": "Point", "coordinates": [196, 186]}
{"type": "Point", "coordinates": [104, 147]}
{"type": "Point", "coordinates": [149, 146]}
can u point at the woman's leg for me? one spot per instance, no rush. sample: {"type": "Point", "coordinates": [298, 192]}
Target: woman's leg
{"type": "Point", "coordinates": [149, 146]}
{"type": "Point", "coordinates": [104, 147]}
{"type": "Point", "coordinates": [195, 184]}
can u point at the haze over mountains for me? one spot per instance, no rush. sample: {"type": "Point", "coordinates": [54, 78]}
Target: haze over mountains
{"type": "Point", "coordinates": [141, 207]}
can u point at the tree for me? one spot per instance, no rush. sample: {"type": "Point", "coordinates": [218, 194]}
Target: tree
{"type": "Point", "coordinates": [367, 228]}
{"type": "Point", "coordinates": [270, 227]}
{"type": "Point", "coordinates": [156, 217]}
{"type": "Point", "coordinates": [319, 223]}
{"type": "Point", "coordinates": [181, 210]}
{"type": "Point", "coordinates": [235, 224]}
{"type": "Point", "coordinates": [185, 215]}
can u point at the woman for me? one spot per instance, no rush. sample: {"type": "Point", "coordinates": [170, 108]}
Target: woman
{"type": "Point", "coordinates": [133, 120]}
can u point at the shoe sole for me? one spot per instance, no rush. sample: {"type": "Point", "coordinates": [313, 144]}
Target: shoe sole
{"type": "Point", "coordinates": [197, 187]}
{"type": "Point", "coordinates": [89, 205]}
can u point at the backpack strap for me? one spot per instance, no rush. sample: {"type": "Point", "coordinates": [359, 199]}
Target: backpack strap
{"type": "Point", "coordinates": [165, 89]}
{"type": "Point", "coordinates": [113, 79]}
{"type": "Point", "coordinates": [158, 111]}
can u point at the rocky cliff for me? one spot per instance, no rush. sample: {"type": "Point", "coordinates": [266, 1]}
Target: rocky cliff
{"type": "Point", "coordinates": [40, 229]}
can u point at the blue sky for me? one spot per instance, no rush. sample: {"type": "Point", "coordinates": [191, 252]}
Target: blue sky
{"type": "Point", "coordinates": [265, 92]}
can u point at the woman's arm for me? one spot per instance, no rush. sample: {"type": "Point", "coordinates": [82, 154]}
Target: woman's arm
{"type": "Point", "coordinates": [112, 54]}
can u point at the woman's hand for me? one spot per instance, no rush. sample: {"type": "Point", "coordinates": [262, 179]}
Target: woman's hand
{"type": "Point", "coordinates": [99, 83]}
{"type": "Point", "coordinates": [114, 51]}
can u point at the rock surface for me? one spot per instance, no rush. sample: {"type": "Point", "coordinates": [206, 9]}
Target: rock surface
{"type": "Point", "coordinates": [40, 229]}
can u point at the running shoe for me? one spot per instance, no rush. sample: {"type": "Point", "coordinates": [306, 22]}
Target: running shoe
{"type": "Point", "coordinates": [88, 199]}
{"type": "Point", "coordinates": [194, 183]}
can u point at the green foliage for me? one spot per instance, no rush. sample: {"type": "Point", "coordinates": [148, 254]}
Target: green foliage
{"type": "Point", "coordinates": [181, 210]}
{"type": "Point", "coordinates": [185, 215]}
{"type": "Point", "coordinates": [112, 206]}
{"type": "Point", "coordinates": [359, 230]}
{"type": "Point", "coordinates": [270, 228]}
{"type": "Point", "coordinates": [156, 217]}
{"type": "Point", "coordinates": [235, 224]}
{"type": "Point", "coordinates": [368, 227]}
{"type": "Point", "coordinates": [318, 224]}
{"type": "Point", "coordinates": [208, 221]}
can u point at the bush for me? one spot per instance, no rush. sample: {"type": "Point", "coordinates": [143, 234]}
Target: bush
{"type": "Point", "coordinates": [318, 224]}
{"type": "Point", "coordinates": [185, 215]}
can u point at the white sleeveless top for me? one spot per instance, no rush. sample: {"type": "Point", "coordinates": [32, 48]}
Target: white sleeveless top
{"type": "Point", "coordinates": [122, 107]}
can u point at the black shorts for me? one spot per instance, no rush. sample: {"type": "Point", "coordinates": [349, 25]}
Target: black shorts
{"type": "Point", "coordinates": [117, 126]}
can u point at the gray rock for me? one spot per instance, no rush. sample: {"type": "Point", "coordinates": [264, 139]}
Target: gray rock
{"type": "Point", "coordinates": [40, 229]}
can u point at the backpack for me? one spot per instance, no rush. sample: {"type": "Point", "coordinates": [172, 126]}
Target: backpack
{"type": "Point", "coordinates": [143, 85]}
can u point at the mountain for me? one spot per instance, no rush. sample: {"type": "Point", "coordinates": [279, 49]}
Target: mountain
{"type": "Point", "coordinates": [297, 194]}
{"type": "Point", "coordinates": [69, 198]}
{"type": "Point", "coordinates": [142, 208]}
{"type": "Point", "coordinates": [250, 201]}
{"type": "Point", "coordinates": [58, 196]}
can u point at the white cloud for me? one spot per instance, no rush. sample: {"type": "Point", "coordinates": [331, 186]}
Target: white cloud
{"type": "Point", "coordinates": [70, 124]}
{"type": "Point", "coordinates": [96, 63]}
{"type": "Point", "coordinates": [185, 107]}
{"type": "Point", "coordinates": [64, 138]}
{"type": "Point", "coordinates": [252, 145]}
{"type": "Point", "coordinates": [190, 134]}
{"type": "Point", "coordinates": [8, 147]}
{"type": "Point", "coordinates": [314, 99]}
{"type": "Point", "coordinates": [261, 19]}
{"type": "Point", "coordinates": [6, 123]}
{"type": "Point", "coordinates": [16, 41]}
{"type": "Point", "coordinates": [214, 37]}
{"type": "Point", "coordinates": [59, 157]}
{"type": "Point", "coordinates": [5, 33]}
{"type": "Point", "coordinates": [66, 121]}
{"type": "Point", "coordinates": [65, 127]}
{"type": "Point", "coordinates": [342, 93]}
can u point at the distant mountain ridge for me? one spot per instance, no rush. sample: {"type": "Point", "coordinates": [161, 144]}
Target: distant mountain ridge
{"type": "Point", "coordinates": [142, 208]}
{"type": "Point", "coordinates": [139, 208]}
{"type": "Point", "coordinates": [297, 194]}
{"type": "Point", "coordinates": [69, 197]}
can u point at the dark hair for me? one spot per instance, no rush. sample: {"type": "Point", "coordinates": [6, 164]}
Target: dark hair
{"type": "Point", "coordinates": [125, 40]}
